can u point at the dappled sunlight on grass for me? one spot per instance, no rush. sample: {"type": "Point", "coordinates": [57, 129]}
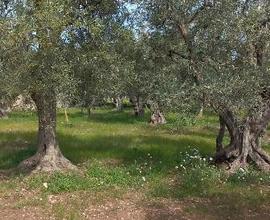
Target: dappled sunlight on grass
{"type": "Point", "coordinates": [116, 150]}
{"type": "Point", "coordinates": [107, 134]}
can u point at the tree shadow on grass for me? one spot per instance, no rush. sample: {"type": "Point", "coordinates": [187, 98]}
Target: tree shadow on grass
{"type": "Point", "coordinates": [17, 146]}
{"type": "Point", "coordinates": [129, 148]}
{"type": "Point", "coordinates": [109, 117]}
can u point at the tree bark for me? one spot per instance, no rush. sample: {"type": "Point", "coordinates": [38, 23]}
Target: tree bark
{"type": "Point", "coordinates": [245, 145]}
{"type": "Point", "coordinates": [3, 113]}
{"type": "Point", "coordinates": [157, 118]}
{"type": "Point", "coordinates": [138, 106]}
{"type": "Point", "coordinates": [4, 109]}
{"type": "Point", "coordinates": [48, 156]}
{"type": "Point", "coordinates": [220, 137]}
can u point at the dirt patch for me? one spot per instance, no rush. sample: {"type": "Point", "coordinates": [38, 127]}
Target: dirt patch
{"type": "Point", "coordinates": [27, 205]}
{"type": "Point", "coordinates": [132, 206]}
{"type": "Point", "coordinates": [31, 213]}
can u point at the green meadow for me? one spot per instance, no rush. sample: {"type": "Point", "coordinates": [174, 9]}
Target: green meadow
{"type": "Point", "coordinates": [117, 153]}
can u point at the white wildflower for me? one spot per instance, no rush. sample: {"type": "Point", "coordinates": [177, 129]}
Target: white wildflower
{"type": "Point", "coordinates": [45, 185]}
{"type": "Point", "coordinates": [241, 170]}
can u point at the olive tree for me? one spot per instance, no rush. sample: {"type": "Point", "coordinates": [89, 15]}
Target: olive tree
{"type": "Point", "coordinates": [101, 64]}
{"type": "Point", "coordinates": [221, 49]}
{"type": "Point", "coordinates": [39, 59]}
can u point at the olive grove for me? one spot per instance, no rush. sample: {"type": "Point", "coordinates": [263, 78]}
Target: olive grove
{"type": "Point", "coordinates": [172, 56]}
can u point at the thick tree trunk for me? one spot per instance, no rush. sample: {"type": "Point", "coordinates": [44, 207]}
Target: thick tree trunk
{"type": "Point", "coordinates": [48, 157]}
{"type": "Point", "coordinates": [244, 147]}
{"type": "Point", "coordinates": [138, 106]}
{"type": "Point", "coordinates": [157, 116]}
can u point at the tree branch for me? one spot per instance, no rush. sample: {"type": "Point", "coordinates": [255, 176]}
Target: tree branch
{"type": "Point", "coordinates": [172, 52]}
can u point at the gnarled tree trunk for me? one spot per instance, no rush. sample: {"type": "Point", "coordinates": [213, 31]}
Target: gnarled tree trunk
{"type": "Point", "coordinates": [157, 117]}
{"type": "Point", "coordinates": [48, 156]}
{"type": "Point", "coordinates": [245, 145]}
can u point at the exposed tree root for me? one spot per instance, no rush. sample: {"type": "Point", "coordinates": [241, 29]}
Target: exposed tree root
{"type": "Point", "coordinates": [244, 148]}
{"type": "Point", "coordinates": [235, 161]}
{"type": "Point", "coordinates": [46, 163]}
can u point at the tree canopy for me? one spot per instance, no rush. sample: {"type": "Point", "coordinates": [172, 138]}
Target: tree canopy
{"type": "Point", "coordinates": [179, 55]}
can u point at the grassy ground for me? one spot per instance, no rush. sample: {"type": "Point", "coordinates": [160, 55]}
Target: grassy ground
{"type": "Point", "coordinates": [147, 172]}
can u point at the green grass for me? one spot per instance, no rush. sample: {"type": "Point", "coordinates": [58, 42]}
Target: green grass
{"type": "Point", "coordinates": [107, 134]}
{"type": "Point", "coordinates": [117, 151]}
